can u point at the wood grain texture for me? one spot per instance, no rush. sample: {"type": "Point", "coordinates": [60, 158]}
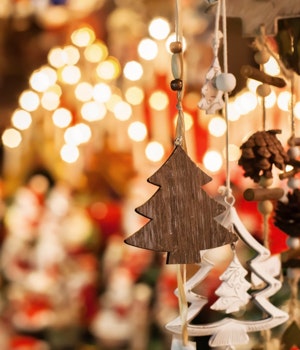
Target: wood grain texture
{"type": "Point", "coordinates": [255, 13]}
{"type": "Point", "coordinates": [181, 213]}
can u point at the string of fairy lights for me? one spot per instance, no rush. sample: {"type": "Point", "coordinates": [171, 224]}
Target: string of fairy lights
{"type": "Point", "coordinates": [79, 89]}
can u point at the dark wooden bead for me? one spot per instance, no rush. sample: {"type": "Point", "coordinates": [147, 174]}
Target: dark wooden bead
{"type": "Point", "coordinates": [176, 47]}
{"type": "Point", "coordinates": [176, 84]}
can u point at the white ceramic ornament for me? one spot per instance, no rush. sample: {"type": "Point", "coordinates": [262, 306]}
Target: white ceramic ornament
{"type": "Point", "coordinates": [230, 332]}
{"type": "Point", "coordinates": [212, 97]}
{"type": "Point", "coordinates": [178, 345]}
{"type": "Point", "coordinates": [233, 290]}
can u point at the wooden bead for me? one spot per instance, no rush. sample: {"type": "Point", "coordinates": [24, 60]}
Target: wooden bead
{"type": "Point", "coordinates": [176, 47]}
{"type": "Point", "coordinates": [176, 85]}
{"type": "Point", "coordinates": [265, 182]}
{"type": "Point", "coordinates": [261, 57]}
{"type": "Point", "coordinates": [225, 82]}
{"type": "Point", "coordinates": [176, 64]}
{"type": "Point", "coordinates": [265, 207]}
{"type": "Point", "coordinates": [263, 90]}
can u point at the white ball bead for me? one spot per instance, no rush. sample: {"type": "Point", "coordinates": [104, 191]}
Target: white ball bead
{"type": "Point", "coordinates": [293, 183]}
{"type": "Point", "coordinates": [225, 82]}
{"type": "Point", "coordinates": [293, 242]}
{"type": "Point", "coordinates": [293, 152]}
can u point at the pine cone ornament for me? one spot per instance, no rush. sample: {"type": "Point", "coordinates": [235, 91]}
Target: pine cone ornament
{"type": "Point", "coordinates": [260, 152]}
{"type": "Point", "coordinates": [287, 214]}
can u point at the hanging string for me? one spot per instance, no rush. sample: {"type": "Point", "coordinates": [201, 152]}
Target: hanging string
{"type": "Point", "coordinates": [177, 85]}
{"type": "Point", "coordinates": [225, 64]}
{"type": "Point", "coordinates": [177, 70]}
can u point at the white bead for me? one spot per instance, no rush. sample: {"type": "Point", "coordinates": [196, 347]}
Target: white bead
{"type": "Point", "coordinates": [293, 183]}
{"type": "Point", "coordinates": [293, 242]}
{"type": "Point", "coordinates": [225, 82]}
{"type": "Point", "coordinates": [293, 152]}
{"type": "Point", "coordinates": [176, 64]}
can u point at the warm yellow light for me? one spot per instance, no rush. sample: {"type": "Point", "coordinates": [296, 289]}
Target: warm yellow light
{"type": "Point", "coordinates": [70, 75]}
{"type": "Point", "coordinates": [134, 95]}
{"type": "Point", "coordinates": [159, 28]}
{"type": "Point", "coordinates": [56, 57]}
{"type": "Point", "coordinates": [101, 92]}
{"type": "Point", "coordinates": [56, 89]}
{"type": "Point", "coordinates": [113, 100]}
{"type": "Point", "coordinates": [188, 121]}
{"type": "Point", "coordinates": [246, 102]}
{"type": "Point", "coordinates": [92, 111]}
{"type": "Point", "coordinates": [61, 117]}
{"type": "Point", "coordinates": [297, 110]}
{"type": "Point", "coordinates": [39, 81]}
{"type": "Point", "coordinates": [108, 69]}
{"type": "Point", "coordinates": [284, 100]}
{"type": "Point", "coordinates": [11, 138]}
{"type": "Point", "coordinates": [21, 119]}
{"type": "Point", "coordinates": [252, 85]}
{"type": "Point", "coordinates": [133, 70]}
{"type": "Point", "coordinates": [122, 110]}
{"type": "Point", "coordinates": [159, 100]}
{"type": "Point", "coordinates": [154, 151]}
{"type": "Point", "coordinates": [147, 49]}
{"type": "Point", "coordinates": [137, 131]}
{"type": "Point", "coordinates": [83, 37]}
{"type": "Point", "coordinates": [212, 161]}
{"type": "Point", "coordinates": [29, 100]}
{"type": "Point", "coordinates": [84, 91]}
{"type": "Point", "coordinates": [272, 67]}
{"type": "Point", "coordinates": [77, 134]}
{"type": "Point", "coordinates": [50, 100]}
{"type": "Point", "coordinates": [217, 126]}
{"type": "Point", "coordinates": [96, 52]}
{"type": "Point", "coordinates": [71, 54]}
{"type": "Point", "coordinates": [233, 113]}
{"type": "Point", "coordinates": [69, 153]}
{"type": "Point", "coordinates": [270, 100]}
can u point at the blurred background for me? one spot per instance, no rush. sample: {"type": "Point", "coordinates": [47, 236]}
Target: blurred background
{"type": "Point", "coordinates": [86, 116]}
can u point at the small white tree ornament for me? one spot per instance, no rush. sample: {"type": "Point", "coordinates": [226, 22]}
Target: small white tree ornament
{"type": "Point", "coordinates": [233, 290]}
{"type": "Point", "coordinates": [229, 332]}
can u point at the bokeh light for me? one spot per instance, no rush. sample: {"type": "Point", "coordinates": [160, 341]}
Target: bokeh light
{"type": "Point", "coordinates": [122, 110]}
{"type": "Point", "coordinates": [29, 100]}
{"type": "Point", "coordinates": [137, 131]}
{"type": "Point", "coordinates": [217, 126]}
{"type": "Point", "coordinates": [109, 69]}
{"type": "Point", "coordinates": [159, 100]}
{"type": "Point", "coordinates": [11, 138]}
{"type": "Point", "coordinates": [93, 111]}
{"type": "Point", "coordinates": [83, 37]}
{"type": "Point", "coordinates": [69, 153]}
{"type": "Point", "coordinates": [159, 28]}
{"type": "Point", "coordinates": [134, 95]}
{"type": "Point", "coordinates": [70, 75]}
{"type": "Point", "coordinates": [96, 52]}
{"type": "Point", "coordinates": [212, 161]}
{"type": "Point", "coordinates": [133, 70]}
{"type": "Point", "coordinates": [84, 91]}
{"type": "Point", "coordinates": [147, 49]}
{"type": "Point", "coordinates": [21, 119]}
{"type": "Point", "coordinates": [61, 117]}
{"type": "Point", "coordinates": [101, 92]}
{"type": "Point", "coordinates": [154, 151]}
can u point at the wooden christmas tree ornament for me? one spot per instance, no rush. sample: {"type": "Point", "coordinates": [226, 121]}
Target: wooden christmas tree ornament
{"type": "Point", "coordinates": [181, 213]}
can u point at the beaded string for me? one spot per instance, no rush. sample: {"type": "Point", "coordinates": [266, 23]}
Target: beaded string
{"type": "Point", "coordinates": [177, 85]}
